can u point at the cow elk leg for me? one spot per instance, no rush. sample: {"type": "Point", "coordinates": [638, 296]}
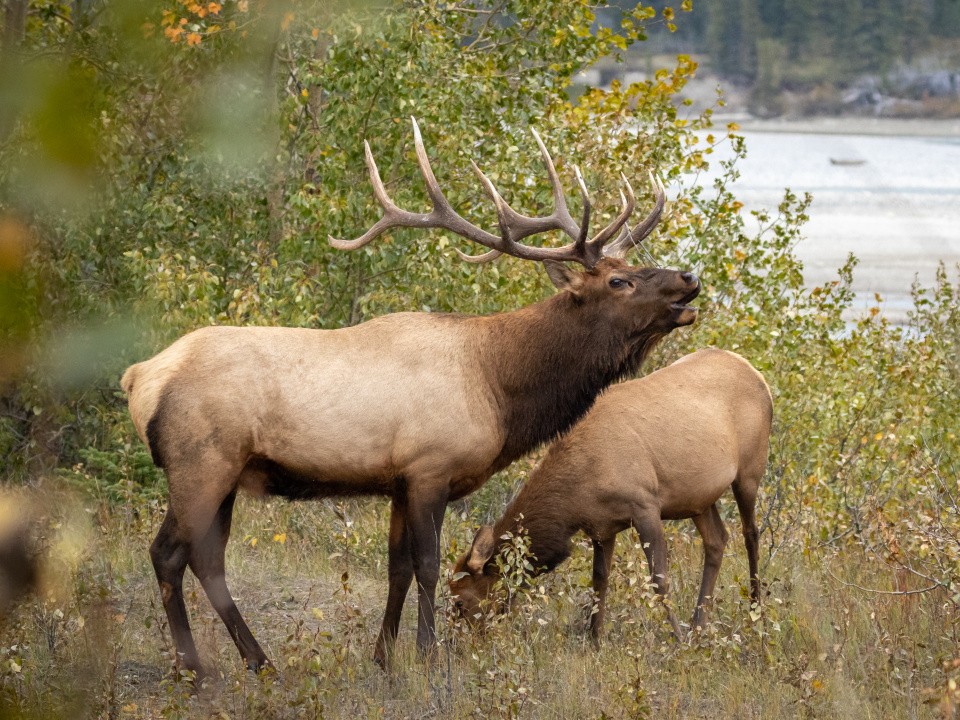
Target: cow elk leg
{"type": "Point", "coordinates": [602, 560]}
{"type": "Point", "coordinates": [745, 491]}
{"type": "Point", "coordinates": [207, 563]}
{"type": "Point", "coordinates": [424, 519]}
{"type": "Point", "coordinates": [400, 575]}
{"type": "Point", "coordinates": [715, 536]}
{"type": "Point", "coordinates": [650, 529]}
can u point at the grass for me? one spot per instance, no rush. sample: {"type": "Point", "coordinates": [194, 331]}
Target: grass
{"type": "Point", "coordinates": [310, 579]}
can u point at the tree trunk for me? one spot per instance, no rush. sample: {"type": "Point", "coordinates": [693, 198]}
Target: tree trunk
{"type": "Point", "coordinates": [14, 25]}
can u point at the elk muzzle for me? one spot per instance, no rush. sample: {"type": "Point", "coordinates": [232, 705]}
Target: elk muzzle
{"type": "Point", "coordinates": [683, 313]}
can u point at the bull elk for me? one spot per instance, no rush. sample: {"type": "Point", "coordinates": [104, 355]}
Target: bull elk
{"type": "Point", "coordinates": [666, 446]}
{"type": "Point", "coordinates": [420, 407]}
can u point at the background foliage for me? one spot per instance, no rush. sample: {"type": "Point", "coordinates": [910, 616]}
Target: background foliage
{"type": "Point", "coordinates": [815, 41]}
{"type": "Point", "coordinates": [169, 165]}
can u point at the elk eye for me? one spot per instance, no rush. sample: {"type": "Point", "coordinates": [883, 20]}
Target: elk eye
{"type": "Point", "coordinates": [618, 282]}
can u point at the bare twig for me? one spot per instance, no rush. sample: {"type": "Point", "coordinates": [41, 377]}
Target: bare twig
{"type": "Point", "coordinates": [875, 591]}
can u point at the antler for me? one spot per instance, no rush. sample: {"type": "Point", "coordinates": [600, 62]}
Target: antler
{"type": "Point", "coordinates": [514, 226]}
{"type": "Point", "coordinates": [628, 239]}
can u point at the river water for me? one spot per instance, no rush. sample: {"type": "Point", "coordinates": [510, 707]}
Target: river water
{"type": "Point", "coordinates": [894, 202]}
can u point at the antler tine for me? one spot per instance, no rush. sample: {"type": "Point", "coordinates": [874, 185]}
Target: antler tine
{"type": "Point", "coordinates": [646, 227]}
{"type": "Point", "coordinates": [581, 244]}
{"type": "Point", "coordinates": [560, 211]}
{"type": "Point", "coordinates": [380, 192]}
{"type": "Point", "coordinates": [378, 188]}
{"type": "Point", "coordinates": [491, 189]}
{"type": "Point", "coordinates": [631, 238]}
{"type": "Point", "coordinates": [433, 187]}
{"type": "Point", "coordinates": [628, 202]}
{"type": "Point", "coordinates": [479, 259]}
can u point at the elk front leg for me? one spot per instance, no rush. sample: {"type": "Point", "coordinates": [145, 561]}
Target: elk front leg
{"type": "Point", "coordinates": [650, 529]}
{"type": "Point", "coordinates": [400, 574]}
{"type": "Point", "coordinates": [424, 520]}
{"type": "Point", "coordinates": [602, 560]}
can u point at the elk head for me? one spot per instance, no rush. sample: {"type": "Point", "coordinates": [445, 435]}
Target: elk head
{"type": "Point", "coordinates": [651, 298]}
{"type": "Point", "coordinates": [637, 298]}
{"type": "Point", "coordinates": [471, 587]}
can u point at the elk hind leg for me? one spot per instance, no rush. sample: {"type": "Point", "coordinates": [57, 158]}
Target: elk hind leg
{"type": "Point", "coordinates": [170, 554]}
{"type": "Point", "coordinates": [207, 562]}
{"type": "Point", "coordinates": [715, 536]}
{"type": "Point", "coordinates": [745, 491]}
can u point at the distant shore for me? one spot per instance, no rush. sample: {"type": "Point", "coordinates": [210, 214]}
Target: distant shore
{"type": "Point", "coordinates": [918, 127]}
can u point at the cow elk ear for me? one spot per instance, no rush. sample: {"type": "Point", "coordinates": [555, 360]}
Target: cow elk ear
{"type": "Point", "coordinates": [563, 277]}
{"type": "Point", "coordinates": [482, 549]}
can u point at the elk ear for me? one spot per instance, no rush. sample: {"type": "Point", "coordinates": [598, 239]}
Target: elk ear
{"type": "Point", "coordinates": [563, 277]}
{"type": "Point", "coordinates": [482, 549]}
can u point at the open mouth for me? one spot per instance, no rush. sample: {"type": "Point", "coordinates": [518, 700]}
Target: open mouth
{"type": "Point", "coordinates": [682, 303]}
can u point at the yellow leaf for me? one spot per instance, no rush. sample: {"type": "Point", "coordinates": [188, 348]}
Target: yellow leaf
{"type": "Point", "coordinates": [280, 538]}
{"type": "Point", "coordinates": [129, 708]}
{"type": "Point", "coordinates": [253, 542]}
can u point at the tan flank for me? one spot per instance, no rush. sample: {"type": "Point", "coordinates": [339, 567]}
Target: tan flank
{"type": "Point", "coordinates": [420, 407]}
{"type": "Point", "coordinates": [666, 446]}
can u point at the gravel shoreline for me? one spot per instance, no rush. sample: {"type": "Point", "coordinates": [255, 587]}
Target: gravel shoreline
{"type": "Point", "coordinates": [916, 127]}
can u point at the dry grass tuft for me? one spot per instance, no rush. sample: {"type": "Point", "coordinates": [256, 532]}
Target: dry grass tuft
{"type": "Point", "coordinates": [310, 578]}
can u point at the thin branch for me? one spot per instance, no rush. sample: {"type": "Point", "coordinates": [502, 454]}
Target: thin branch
{"type": "Point", "coordinates": [875, 591]}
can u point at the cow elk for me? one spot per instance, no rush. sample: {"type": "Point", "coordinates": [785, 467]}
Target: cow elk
{"type": "Point", "coordinates": [666, 446]}
{"type": "Point", "coordinates": [420, 407]}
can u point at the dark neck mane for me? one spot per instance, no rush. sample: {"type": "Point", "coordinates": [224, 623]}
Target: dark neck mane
{"type": "Point", "coordinates": [550, 361]}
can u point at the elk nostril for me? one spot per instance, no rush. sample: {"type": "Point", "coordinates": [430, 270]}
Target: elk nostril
{"type": "Point", "coordinates": [688, 277]}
